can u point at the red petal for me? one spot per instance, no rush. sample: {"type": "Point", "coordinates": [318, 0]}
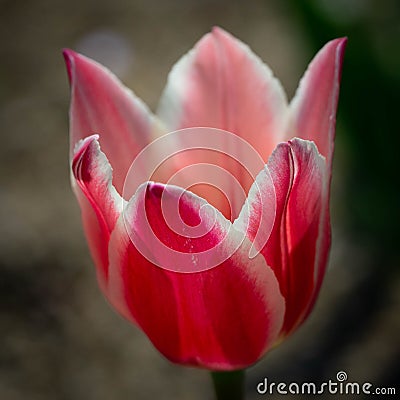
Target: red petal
{"type": "Point", "coordinates": [101, 104]}
{"type": "Point", "coordinates": [313, 109]}
{"type": "Point", "coordinates": [221, 83]}
{"type": "Point", "coordinates": [221, 318]}
{"type": "Point", "coordinates": [299, 177]}
{"type": "Point", "coordinates": [100, 203]}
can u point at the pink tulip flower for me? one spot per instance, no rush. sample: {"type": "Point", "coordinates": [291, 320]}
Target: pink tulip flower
{"type": "Point", "coordinates": [224, 316]}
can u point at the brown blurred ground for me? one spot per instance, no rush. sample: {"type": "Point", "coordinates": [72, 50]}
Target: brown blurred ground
{"type": "Point", "coordinates": [59, 338]}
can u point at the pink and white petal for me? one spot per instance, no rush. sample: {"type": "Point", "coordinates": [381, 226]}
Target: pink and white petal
{"type": "Point", "coordinates": [313, 117]}
{"type": "Point", "coordinates": [259, 212]}
{"type": "Point", "coordinates": [308, 236]}
{"type": "Point", "coordinates": [101, 104]}
{"type": "Point", "coordinates": [221, 83]}
{"type": "Point", "coordinates": [313, 108]}
{"type": "Point", "coordinates": [298, 174]}
{"type": "Point", "coordinates": [100, 203]}
{"type": "Point", "coordinates": [221, 318]}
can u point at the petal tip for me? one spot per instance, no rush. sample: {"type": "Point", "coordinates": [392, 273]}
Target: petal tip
{"type": "Point", "coordinates": [217, 30]}
{"type": "Point", "coordinates": [341, 44]}
{"type": "Point", "coordinates": [219, 34]}
{"type": "Point", "coordinates": [82, 146]}
{"type": "Point", "coordinates": [342, 40]}
{"type": "Point", "coordinates": [155, 189]}
{"type": "Point", "coordinates": [69, 56]}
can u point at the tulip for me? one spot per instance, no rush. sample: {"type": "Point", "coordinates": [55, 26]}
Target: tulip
{"type": "Point", "coordinates": [262, 264]}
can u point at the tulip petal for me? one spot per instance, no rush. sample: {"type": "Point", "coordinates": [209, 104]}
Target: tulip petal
{"type": "Point", "coordinates": [221, 318]}
{"type": "Point", "coordinates": [313, 108]}
{"type": "Point", "coordinates": [100, 203]}
{"type": "Point", "coordinates": [308, 235]}
{"type": "Point", "coordinates": [101, 104]}
{"type": "Point", "coordinates": [299, 177]}
{"type": "Point", "coordinates": [221, 83]}
{"type": "Point", "coordinates": [313, 117]}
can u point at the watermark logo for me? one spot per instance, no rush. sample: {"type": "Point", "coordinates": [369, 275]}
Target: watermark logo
{"type": "Point", "coordinates": [339, 386]}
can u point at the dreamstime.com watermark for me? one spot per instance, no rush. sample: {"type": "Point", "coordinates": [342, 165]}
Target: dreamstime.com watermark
{"type": "Point", "coordinates": [340, 386]}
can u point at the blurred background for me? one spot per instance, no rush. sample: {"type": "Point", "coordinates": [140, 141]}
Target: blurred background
{"type": "Point", "coordinates": [59, 338]}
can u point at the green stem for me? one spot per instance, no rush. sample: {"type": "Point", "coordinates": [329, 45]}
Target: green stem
{"type": "Point", "coordinates": [229, 385]}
